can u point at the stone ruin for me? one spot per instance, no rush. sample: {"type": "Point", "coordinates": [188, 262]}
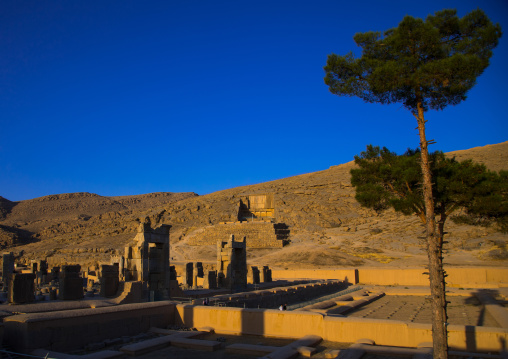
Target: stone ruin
{"type": "Point", "coordinates": [232, 264]}
{"type": "Point", "coordinates": [21, 288]}
{"type": "Point", "coordinates": [110, 280]}
{"type": "Point", "coordinates": [256, 221]}
{"type": "Point", "coordinates": [27, 284]}
{"type": "Point", "coordinates": [210, 280]}
{"type": "Point", "coordinates": [70, 283]}
{"type": "Point", "coordinates": [7, 269]}
{"type": "Point", "coordinates": [231, 271]}
{"type": "Point", "coordinates": [257, 207]}
{"type": "Point", "coordinates": [147, 261]}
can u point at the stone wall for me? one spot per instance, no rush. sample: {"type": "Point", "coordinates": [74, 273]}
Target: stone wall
{"type": "Point", "coordinates": [147, 260]}
{"type": "Point", "coordinates": [259, 234]}
{"type": "Point", "coordinates": [296, 324]}
{"type": "Point", "coordinates": [257, 207]}
{"type": "Point", "coordinates": [457, 277]}
{"type": "Point", "coordinates": [274, 297]}
{"type": "Point", "coordinates": [73, 329]}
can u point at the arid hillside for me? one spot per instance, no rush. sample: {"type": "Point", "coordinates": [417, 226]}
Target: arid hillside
{"type": "Point", "coordinates": [72, 217]}
{"type": "Point", "coordinates": [327, 226]}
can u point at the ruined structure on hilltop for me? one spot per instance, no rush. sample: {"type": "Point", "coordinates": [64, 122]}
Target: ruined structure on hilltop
{"type": "Point", "coordinates": [256, 221]}
{"type": "Point", "coordinates": [257, 207]}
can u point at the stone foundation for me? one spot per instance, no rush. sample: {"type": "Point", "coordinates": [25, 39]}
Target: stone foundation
{"type": "Point", "coordinates": [259, 234]}
{"type": "Point", "coordinates": [73, 329]}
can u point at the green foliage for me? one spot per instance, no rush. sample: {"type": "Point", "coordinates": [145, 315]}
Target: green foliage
{"type": "Point", "coordinates": [434, 62]}
{"type": "Point", "coordinates": [385, 180]}
{"type": "Point", "coordinates": [487, 201]}
{"type": "Point", "coordinates": [423, 65]}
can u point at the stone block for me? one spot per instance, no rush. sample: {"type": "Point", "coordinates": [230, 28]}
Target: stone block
{"type": "Point", "coordinates": [210, 281]}
{"type": "Point", "coordinates": [70, 283]}
{"type": "Point", "coordinates": [21, 288]}
{"type": "Point", "coordinates": [7, 268]}
{"type": "Point", "coordinates": [109, 281]}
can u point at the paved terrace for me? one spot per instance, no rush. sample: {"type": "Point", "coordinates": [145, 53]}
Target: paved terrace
{"type": "Point", "coordinates": [413, 305]}
{"type": "Point", "coordinates": [407, 304]}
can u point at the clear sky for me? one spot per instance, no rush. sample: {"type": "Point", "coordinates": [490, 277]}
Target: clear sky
{"type": "Point", "coordinates": [131, 97]}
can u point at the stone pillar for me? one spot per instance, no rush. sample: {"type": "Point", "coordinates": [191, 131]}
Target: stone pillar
{"type": "Point", "coordinates": [7, 268]}
{"type": "Point", "coordinates": [71, 284]}
{"type": "Point", "coordinates": [267, 274]}
{"type": "Point", "coordinates": [199, 269]}
{"type": "Point", "coordinates": [120, 262]}
{"type": "Point", "coordinates": [109, 281]}
{"type": "Point", "coordinates": [172, 273]}
{"type": "Point", "coordinates": [43, 267]}
{"type": "Point", "coordinates": [195, 275]}
{"type": "Point", "coordinates": [21, 288]}
{"type": "Point", "coordinates": [254, 275]}
{"type": "Point", "coordinates": [38, 276]}
{"type": "Point", "coordinates": [188, 277]}
{"type": "Point", "coordinates": [210, 280]}
{"type": "Point", "coordinates": [33, 266]}
{"type": "Point", "coordinates": [55, 273]}
{"type": "Point", "coordinates": [221, 280]}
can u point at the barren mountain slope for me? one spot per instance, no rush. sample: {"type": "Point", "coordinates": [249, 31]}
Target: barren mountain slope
{"type": "Point", "coordinates": [5, 207]}
{"type": "Point", "coordinates": [495, 157]}
{"type": "Point", "coordinates": [66, 219]}
{"type": "Point", "coordinates": [328, 227]}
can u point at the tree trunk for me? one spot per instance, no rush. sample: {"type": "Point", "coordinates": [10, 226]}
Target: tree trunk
{"type": "Point", "coordinates": [434, 251]}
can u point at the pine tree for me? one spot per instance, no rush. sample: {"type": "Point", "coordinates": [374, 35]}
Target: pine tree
{"type": "Point", "coordinates": [385, 180]}
{"type": "Point", "coordinates": [422, 64]}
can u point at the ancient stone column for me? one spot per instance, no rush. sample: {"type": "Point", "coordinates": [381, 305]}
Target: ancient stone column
{"type": "Point", "coordinates": [199, 269]}
{"type": "Point", "coordinates": [7, 268]}
{"type": "Point", "coordinates": [188, 275]}
{"type": "Point", "coordinates": [70, 283]}
{"type": "Point", "coordinates": [210, 280]}
{"type": "Point", "coordinates": [172, 273]}
{"type": "Point", "coordinates": [195, 275]}
{"type": "Point", "coordinates": [109, 281]}
{"type": "Point", "coordinates": [267, 274]}
{"type": "Point", "coordinates": [43, 267]}
{"type": "Point", "coordinates": [254, 275]}
{"type": "Point", "coordinates": [33, 266]}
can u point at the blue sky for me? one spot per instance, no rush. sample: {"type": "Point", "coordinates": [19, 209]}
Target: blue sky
{"type": "Point", "coordinates": [131, 97]}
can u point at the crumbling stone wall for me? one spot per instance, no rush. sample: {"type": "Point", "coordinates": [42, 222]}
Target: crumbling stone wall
{"type": "Point", "coordinates": [70, 283]}
{"type": "Point", "coordinates": [256, 207]}
{"type": "Point", "coordinates": [109, 280]}
{"type": "Point", "coordinates": [232, 264]}
{"type": "Point", "coordinates": [147, 260]}
{"type": "Point", "coordinates": [274, 297]}
{"type": "Point", "coordinates": [259, 234]}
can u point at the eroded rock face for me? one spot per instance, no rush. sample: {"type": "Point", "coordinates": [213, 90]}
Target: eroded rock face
{"type": "Point", "coordinates": [5, 207]}
{"type": "Point", "coordinates": [319, 208]}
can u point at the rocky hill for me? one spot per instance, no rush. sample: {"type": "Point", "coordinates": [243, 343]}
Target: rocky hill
{"type": "Point", "coordinates": [73, 217]}
{"type": "Point", "coordinates": [327, 225]}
